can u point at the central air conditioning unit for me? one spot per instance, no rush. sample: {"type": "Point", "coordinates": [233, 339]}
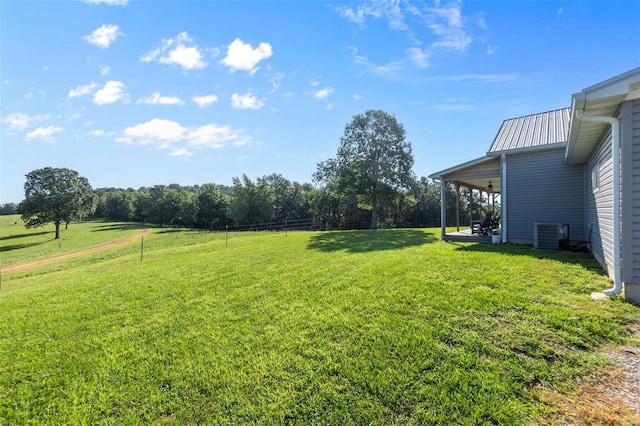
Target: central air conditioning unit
{"type": "Point", "coordinates": [550, 236]}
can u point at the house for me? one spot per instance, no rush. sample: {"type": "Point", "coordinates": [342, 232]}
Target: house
{"type": "Point", "coordinates": [558, 170]}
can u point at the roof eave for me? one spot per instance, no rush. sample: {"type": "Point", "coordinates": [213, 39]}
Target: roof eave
{"type": "Point", "coordinates": [577, 104]}
{"type": "Point", "coordinates": [611, 93]}
{"type": "Point", "coordinates": [547, 147]}
{"type": "Point", "coordinates": [439, 175]}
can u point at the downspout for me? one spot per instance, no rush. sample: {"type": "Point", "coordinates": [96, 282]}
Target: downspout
{"type": "Point", "coordinates": [503, 196]}
{"type": "Point", "coordinates": [615, 156]}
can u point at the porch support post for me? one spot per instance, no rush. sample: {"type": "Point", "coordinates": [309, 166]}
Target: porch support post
{"type": "Point", "coordinates": [443, 209]}
{"type": "Point", "coordinates": [493, 203]}
{"type": "Point", "coordinates": [503, 196]}
{"type": "Point", "coordinates": [470, 206]}
{"type": "Point", "coordinates": [458, 208]}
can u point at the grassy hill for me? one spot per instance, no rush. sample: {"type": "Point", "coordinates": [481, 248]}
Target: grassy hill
{"type": "Point", "coordinates": [353, 327]}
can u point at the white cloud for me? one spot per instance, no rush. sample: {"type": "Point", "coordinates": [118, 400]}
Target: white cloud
{"type": "Point", "coordinates": [159, 131]}
{"type": "Point", "coordinates": [357, 96]}
{"type": "Point", "coordinates": [104, 69]}
{"type": "Point", "coordinates": [419, 56]}
{"type": "Point", "coordinates": [157, 99]}
{"type": "Point", "coordinates": [45, 133]}
{"type": "Point", "coordinates": [99, 133]}
{"type": "Point", "coordinates": [314, 82]}
{"type": "Point", "coordinates": [113, 91]}
{"type": "Point", "coordinates": [45, 68]}
{"type": "Point", "coordinates": [380, 69]}
{"type": "Point", "coordinates": [447, 23]}
{"type": "Point", "coordinates": [177, 51]}
{"type": "Point", "coordinates": [448, 27]}
{"type": "Point", "coordinates": [81, 90]}
{"type": "Point", "coordinates": [29, 95]}
{"type": "Point", "coordinates": [167, 134]}
{"type": "Point", "coordinates": [103, 36]}
{"type": "Point", "coordinates": [241, 56]}
{"type": "Point", "coordinates": [108, 2]}
{"type": "Point", "coordinates": [19, 121]}
{"type": "Point", "coordinates": [323, 93]}
{"type": "Point", "coordinates": [182, 153]}
{"type": "Point", "coordinates": [276, 81]}
{"type": "Point", "coordinates": [359, 14]}
{"type": "Point", "coordinates": [491, 49]}
{"type": "Point", "coordinates": [205, 100]}
{"type": "Point", "coordinates": [560, 11]}
{"type": "Point", "coordinates": [214, 136]}
{"type": "Point", "coordinates": [247, 101]}
{"type": "Point", "coordinates": [391, 10]}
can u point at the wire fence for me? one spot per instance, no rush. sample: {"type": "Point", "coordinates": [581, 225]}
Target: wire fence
{"type": "Point", "coordinates": [286, 225]}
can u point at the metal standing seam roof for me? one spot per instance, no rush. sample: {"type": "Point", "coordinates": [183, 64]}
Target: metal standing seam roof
{"type": "Point", "coordinates": [533, 131]}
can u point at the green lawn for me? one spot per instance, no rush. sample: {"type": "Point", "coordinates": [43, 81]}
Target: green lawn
{"type": "Point", "coordinates": [18, 244]}
{"type": "Point", "coordinates": [353, 327]}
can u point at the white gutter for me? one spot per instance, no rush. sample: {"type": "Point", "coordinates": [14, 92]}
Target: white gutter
{"type": "Point", "coordinates": [503, 196]}
{"type": "Point", "coordinates": [615, 154]}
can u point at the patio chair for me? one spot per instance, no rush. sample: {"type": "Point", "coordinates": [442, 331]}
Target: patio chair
{"type": "Point", "coordinates": [495, 222]}
{"type": "Point", "coordinates": [481, 227]}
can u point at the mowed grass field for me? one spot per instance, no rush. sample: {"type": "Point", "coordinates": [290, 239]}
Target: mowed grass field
{"type": "Point", "coordinates": [350, 327]}
{"type": "Point", "coordinates": [18, 245]}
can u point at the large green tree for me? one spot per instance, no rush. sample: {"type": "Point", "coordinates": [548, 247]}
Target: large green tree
{"type": "Point", "coordinates": [212, 206]}
{"type": "Point", "coordinates": [374, 162]}
{"type": "Point", "coordinates": [251, 203]}
{"type": "Point", "coordinates": [55, 195]}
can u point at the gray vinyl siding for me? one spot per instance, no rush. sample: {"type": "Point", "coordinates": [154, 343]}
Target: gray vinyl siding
{"type": "Point", "coordinates": [635, 139]}
{"type": "Point", "coordinates": [599, 203]}
{"type": "Point", "coordinates": [542, 188]}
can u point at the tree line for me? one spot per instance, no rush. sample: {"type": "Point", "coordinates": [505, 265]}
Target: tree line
{"type": "Point", "coordinates": [269, 199]}
{"type": "Point", "coordinates": [369, 184]}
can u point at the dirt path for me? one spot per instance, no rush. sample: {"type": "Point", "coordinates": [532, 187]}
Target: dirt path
{"type": "Point", "coordinates": [40, 262]}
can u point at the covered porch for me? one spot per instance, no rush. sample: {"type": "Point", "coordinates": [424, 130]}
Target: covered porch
{"type": "Point", "coordinates": [482, 176]}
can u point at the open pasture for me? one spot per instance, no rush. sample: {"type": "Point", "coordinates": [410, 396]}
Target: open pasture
{"type": "Point", "coordinates": [350, 327]}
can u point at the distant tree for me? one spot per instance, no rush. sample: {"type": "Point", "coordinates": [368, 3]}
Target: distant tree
{"type": "Point", "coordinates": [8, 208]}
{"type": "Point", "coordinates": [290, 197]}
{"type": "Point", "coordinates": [156, 213]}
{"type": "Point", "coordinates": [55, 195]}
{"type": "Point", "coordinates": [177, 207]}
{"type": "Point", "coordinates": [119, 205]}
{"type": "Point", "coordinates": [251, 202]}
{"type": "Point", "coordinates": [212, 206]}
{"type": "Point", "coordinates": [374, 162]}
{"type": "Point", "coordinates": [142, 205]}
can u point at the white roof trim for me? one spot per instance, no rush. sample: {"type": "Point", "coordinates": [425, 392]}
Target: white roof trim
{"type": "Point", "coordinates": [618, 85]}
{"type": "Point", "coordinates": [607, 94]}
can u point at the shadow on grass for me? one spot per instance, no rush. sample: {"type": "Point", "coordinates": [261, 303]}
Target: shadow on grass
{"type": "Point", "coordinates": [369, 240]}
{"type": "Point", "coordinates": [20, 246]}
{"type": "Point", "coordinates": [24, 235]}
{"type": "Point", "coordinates": [172, 231]}
{"type": "Point", "coordinates": [585, 259]}
{"type": "Point", "coordinates": [117, 227]}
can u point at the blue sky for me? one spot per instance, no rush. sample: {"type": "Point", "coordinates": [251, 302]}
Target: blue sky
{"type": "Point", "coordinates": [133, 94]}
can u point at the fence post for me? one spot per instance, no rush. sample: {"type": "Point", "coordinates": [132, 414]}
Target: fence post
{"type": "Point", "coordinates": [226, 237]}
